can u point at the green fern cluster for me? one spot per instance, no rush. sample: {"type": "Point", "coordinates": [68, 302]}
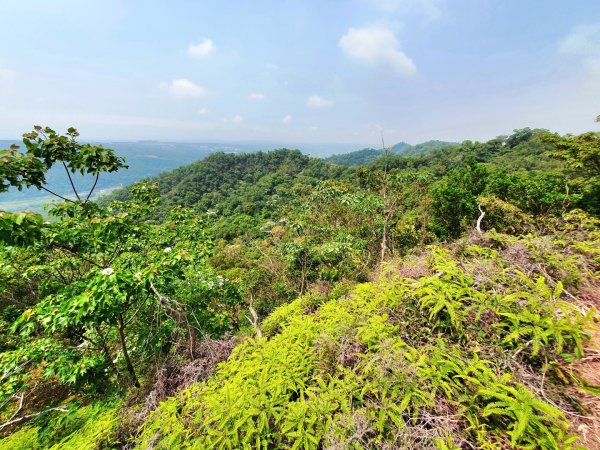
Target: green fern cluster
{"type": "Point", "coordinates": [396, 363]}
{"type": "Point", "coordinates": [384, 367]}
{"type": "Point", "coordinates": [85, 427]}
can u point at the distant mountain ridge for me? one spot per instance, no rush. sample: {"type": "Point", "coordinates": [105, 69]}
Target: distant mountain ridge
{"type": "Point", "coordinates": [145, 158]}
{"type": "Point", "coordinates": [368, 155]}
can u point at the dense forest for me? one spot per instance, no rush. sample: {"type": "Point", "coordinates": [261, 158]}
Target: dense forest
{"type": "Point", "coordinates": [440, 296]}
{"type": "Point", "coordinates": [368, 155]}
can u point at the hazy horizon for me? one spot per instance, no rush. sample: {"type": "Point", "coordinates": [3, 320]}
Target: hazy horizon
{"type": "Point", "coordinates": [312, 72]}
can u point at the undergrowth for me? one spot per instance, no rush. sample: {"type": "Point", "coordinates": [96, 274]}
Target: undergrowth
{"type": "Point", "coordinates": [470, 348]}
{"type": "Point", "coordinates": [433, 362]}
{"type": "Point", "coordinates": [86, 427]}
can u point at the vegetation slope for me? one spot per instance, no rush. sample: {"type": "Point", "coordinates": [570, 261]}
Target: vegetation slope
{"type": "Point", "coordinates": [277, 301]}
{"type": "Point", "coordinates": [368, 155]}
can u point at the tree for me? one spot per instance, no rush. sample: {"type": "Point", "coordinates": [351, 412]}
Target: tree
{"type": "Point", "coordinates": [454, 204]}
{"type": "Point", "coordinates": [107, 278]}
{"type": "Point", "coordinates": [582, 155]}
{"type": "Point", "coordinates": [45, 148]}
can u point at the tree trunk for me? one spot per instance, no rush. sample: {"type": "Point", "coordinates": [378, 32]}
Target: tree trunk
{"type": "Point", "coordinates": [254, 320]}
{"type": "Point", "coordinates": [180, 317]}
{"type": "Point", "coordinates": [105, 349]}
{"type": "Point", "coordinates": [481, 216]}
{"type": "Point", "coordinates": [384, 241]}
{"type": "Point", "coordinates": [126, 353]}
{"type": "Point", "coordinates": [384, 236]}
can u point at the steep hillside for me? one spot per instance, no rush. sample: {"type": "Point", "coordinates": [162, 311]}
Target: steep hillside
{"type": "Point", "coordinates": [469, 345]}
{"type": "Point", "coordinates": [274, 300]}
{"type": "Point", "coordinates": [453, 348]}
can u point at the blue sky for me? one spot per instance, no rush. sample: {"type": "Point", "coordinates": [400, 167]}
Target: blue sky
{"type": "Point", "coordinates": [299, 71]}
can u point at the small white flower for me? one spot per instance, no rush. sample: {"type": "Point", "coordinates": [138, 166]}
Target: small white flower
{"type": "Point", "coordinates": [168, 249]}
{"type": "Point", "coordinates": [107, 271]}
{"type": "Point", "coordinates": [138, 275]}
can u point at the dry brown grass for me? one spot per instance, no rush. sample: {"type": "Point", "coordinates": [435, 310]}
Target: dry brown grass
{"type": "Point", "coordinates": [171, 377]}
{"type": "Point", "coordinates": [588, 428]}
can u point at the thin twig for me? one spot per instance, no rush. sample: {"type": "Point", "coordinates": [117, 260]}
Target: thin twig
{"type": "Point", "coordinates": [57, 195]}
{"type": "Point", "coordinates": [521, 349]}
{"type": "Point", "coordinates": [93, 187]}
{"type": "Point", "coordinates": [29, 416]}
{"type": "Point", "coordinates": [19, 408]}
{"type": "Point", "coordinates": [71, 181]}
{"type": "Point", "coordinates": [254, 320]}
{"type": "Point", "coordinates": [60, 247]}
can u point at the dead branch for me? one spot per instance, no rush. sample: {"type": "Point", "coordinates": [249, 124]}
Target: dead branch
{"type": "Point", "coordinates": [12, 421]}
{"type": "Point", "coordinates": [254, 320]}
{"type": "Point", "coordinates": [481, 216]}
{"type": "Point", "coordinates": [179, 316]}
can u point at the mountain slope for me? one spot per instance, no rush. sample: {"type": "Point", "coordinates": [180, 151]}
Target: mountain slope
{"type": "Point", "coordinates": [428, 356]}
{"type": "Point", "coordinates": [368, 155]}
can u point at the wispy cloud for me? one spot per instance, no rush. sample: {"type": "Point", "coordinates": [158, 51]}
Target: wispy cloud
{"type": "Point", "coordinates": [377, 45]}
{"type": "Point", "coordinates": [314, 101]}
{"type": "Point", "coordinates": [287, 119]}
{"type": "Point", "coordinates": [7, 74]}
{"type": "Point", "coordinates": [430, 9]}
{"type": "Point", "coordinates": [583, 42]}
{"type": "Point", "coordinates": [203, 111]}
{"type": "Point", "coordinates": [256, 97]}
{"type": "Point", "coordinates": [182, 88]}
{"type": "Point", "coordinates": [119, 120]}
{"type": "Point", "coordinates": [235, 119]}
{"type": "Point", "coordinates": [201, 49]}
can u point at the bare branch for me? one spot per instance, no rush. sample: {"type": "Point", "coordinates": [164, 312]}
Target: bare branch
{"type": "Point", "coordinates": [57, 195]}
{"type": "Point", "coordinates": [254, 320]}
{"type": "Point", "coordinates": [71, 181]}
{"type": "Point", "coordinates": [482, 215]}
{"type": "Point", "coordinates": [93, 187]}
{"type": "Point", "coordinates": [29, 416]}
{"type": "Point", "coordinates": [179, 316]}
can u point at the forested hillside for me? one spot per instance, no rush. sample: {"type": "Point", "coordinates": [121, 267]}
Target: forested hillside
{"type": "Point", "coordinates": [442, 297]}
{"type": "Point", "coordinates": [368, 155]}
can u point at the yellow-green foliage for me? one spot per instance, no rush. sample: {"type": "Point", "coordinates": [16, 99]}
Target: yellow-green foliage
{"type": "Point", "coordinates": [89, 427]}
{"type": "Point", "coordinates": [381, 366]}
{"type": "Point", "coordinates": [24, 439]}
{"type": "Point", "coordinates": [98, 424]}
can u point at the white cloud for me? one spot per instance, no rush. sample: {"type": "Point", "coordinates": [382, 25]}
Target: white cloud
{"type": "Point", "coordinates": [377, 45]}
{"type": "Point", "coordinates": [315, 101]}
{"type": "Point", "coordinates": [287, 119]}
{"type": "Point", "coordinates": [256, 97]}
{"type": "Point", "coordinates": [235, 119]}
{"type": "Point", "coordinates": [201, 49]}
{"type": "Point", "coordinates": [183, 88]}
{"type": "Point", "coordinates": [203, 111]}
